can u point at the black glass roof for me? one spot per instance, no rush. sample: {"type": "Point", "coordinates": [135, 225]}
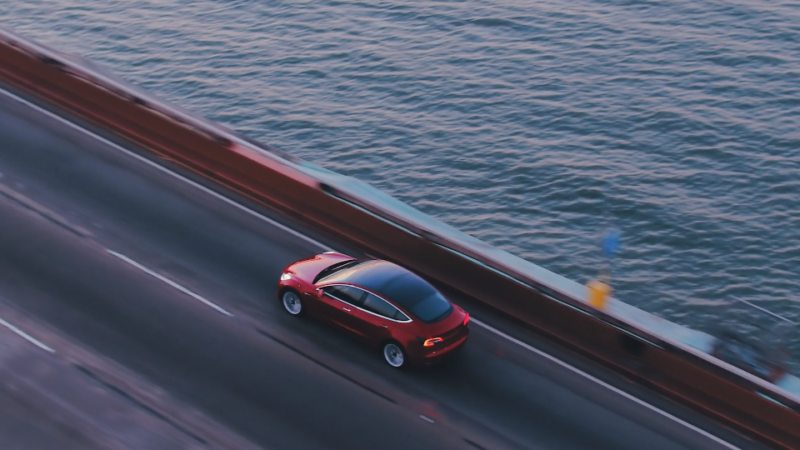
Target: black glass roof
{"type": "Point", "coordinates": [396, 284]}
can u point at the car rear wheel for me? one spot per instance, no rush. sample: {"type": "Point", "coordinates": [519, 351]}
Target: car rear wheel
{"type": "Point", "coordinates": [291, 302]}
{"type": "Point", "coordinates": [394, 354]}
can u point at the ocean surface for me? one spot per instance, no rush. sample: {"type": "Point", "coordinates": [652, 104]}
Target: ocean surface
{"type": "Point", "coordinates": [532, 125]}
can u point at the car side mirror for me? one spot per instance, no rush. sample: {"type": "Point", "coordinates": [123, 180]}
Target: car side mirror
{"type": "Point", "coordinates": [320, 292]}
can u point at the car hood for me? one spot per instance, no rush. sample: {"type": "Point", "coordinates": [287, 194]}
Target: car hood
{"type": "Point", "coordinates": [307, 269]}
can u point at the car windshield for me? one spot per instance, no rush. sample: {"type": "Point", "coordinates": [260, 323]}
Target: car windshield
{"type": "Point", "coordinates": [400, 286]}
{"type": "Point", "coordinates": [330, 270]}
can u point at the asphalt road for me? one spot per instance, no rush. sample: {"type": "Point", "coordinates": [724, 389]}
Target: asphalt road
{"type": "Point", "coordinates": [84, 227]}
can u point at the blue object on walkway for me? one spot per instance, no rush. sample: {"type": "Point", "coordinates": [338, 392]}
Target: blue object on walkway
{"type": "Point", "coordinates": [611, 243]}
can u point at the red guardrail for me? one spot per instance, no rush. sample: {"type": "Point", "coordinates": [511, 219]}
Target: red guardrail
{"type": "Point", "coordinates": [750, 405]}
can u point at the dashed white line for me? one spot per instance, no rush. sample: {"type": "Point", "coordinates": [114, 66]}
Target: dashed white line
{"type": "Point", "coordinates": [326, 248]}
{"type": "Point", "coordinates": [26, 336]}
{"type": "Point", "coordinates": [605, 385]}
{"type": "Point", "coordinates": [169, 282]}
{"type": "Point", "coordinates": [167, 171]}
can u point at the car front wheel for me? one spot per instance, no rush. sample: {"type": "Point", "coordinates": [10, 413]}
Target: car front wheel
{"type": "Point", "coordinates": [394, 354]}
{"type": "Point", "coordinates": [291, 302]}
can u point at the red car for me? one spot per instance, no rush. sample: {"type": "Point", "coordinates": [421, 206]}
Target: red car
{"type": "Point", "coordinates": [382, 303]}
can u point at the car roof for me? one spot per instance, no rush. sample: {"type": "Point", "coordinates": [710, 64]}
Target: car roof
{"type": "Point", "coordinates": [391, 281]}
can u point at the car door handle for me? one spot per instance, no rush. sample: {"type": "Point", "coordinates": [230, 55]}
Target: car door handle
{"type": "Point", "coordinates": [384, 325]}
{"type": "Point", "coordinates": [346, 309]}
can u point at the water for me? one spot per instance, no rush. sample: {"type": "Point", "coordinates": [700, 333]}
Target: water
{"type": "Point", "coordinates": [530, 125]}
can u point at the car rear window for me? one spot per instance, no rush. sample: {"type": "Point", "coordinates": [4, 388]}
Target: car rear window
{"type": "Point", "coordinates": [432, 309]}
{"type": "Point", "coordinates": [416, 295]}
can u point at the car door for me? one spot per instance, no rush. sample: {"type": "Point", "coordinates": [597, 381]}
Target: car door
{"type": "Point", "coordinates": [377, 318]}
{"type": "Point", "coordinates": [339, 302]}
{"type": "Point", "coordinates": [367, 322]}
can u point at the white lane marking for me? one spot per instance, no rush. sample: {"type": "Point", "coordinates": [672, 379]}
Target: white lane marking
{"type": "Point", "coordinates": [26, 336]}
{"type": "Point", "coordinates": [167, 171]}
{"type": "Point", "coordinates": [605, 385]}
{"type": "Point", "coordinates": [169, 282]}
{"type": "Point", "coordinates": [426, 418]}
{"type": "Point", "coordinates": [326, 248]}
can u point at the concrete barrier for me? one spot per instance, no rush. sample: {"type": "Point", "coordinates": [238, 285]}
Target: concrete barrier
{"type": "Point", "coordinates": [349, 210]}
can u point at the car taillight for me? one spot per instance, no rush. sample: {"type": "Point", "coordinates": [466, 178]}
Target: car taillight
{"type": "Point", "coordinates": [431, 342]}
{"type": "Point", "coordinates": [466, 319]}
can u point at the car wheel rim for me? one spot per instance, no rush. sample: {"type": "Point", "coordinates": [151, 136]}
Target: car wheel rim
{"type": "Point", "coordinates": [292, 303]}
{"type": "Point", "coordinates": [393, 354]}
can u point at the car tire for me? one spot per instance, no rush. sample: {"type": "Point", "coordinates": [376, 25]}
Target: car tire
{"type": "Point", "coordinates": [291, 302]}
{"type": "Point", "coordinates": [394, 355]}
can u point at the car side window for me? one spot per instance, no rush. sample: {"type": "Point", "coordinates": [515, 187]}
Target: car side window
{"type": "Point", "coordinates": [379, 306]}
{"type": "Point", "coordinates": [347, 294]}
{"type": "Point", "coordinates": [401, 317]}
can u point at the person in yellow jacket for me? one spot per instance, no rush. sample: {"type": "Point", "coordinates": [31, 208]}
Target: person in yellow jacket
{"type": "Point", "coordinates": [599, 290]}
